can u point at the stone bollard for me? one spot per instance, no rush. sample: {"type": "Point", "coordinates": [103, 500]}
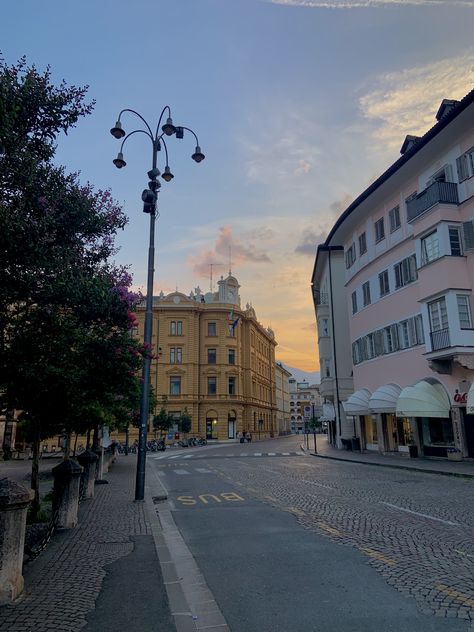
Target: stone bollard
{"type": "Point", "coordinates": [99, 466]}
{"type": "Point", "coordinates": [67, 479]}
{"type": "Point", "coordinates": [14, 501]}
{"type": "Point", "coordinates": [88, 460]}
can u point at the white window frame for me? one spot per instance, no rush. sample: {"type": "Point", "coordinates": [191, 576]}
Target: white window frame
{"type": "Point", "coordinates": [362, 242]}
{"type": "Point", "coordinates": [366, 293]}
{"type": "Point", "coordinates": [394, 219]}
{"type": "Point", "coordinates": [467, 305]}
{"type": "Point", "coordinates": [436, 310]}
{"type": "Point", "coordinates": [384, 283]}
{"type": "Point", "coordinates": [430, 248]}
{"type": "Point", "coordinates": [458, 231]}
{"type": "Point", "coordinates": [354, 302]}
{"type": "Point", "coordinates": [379, 229]}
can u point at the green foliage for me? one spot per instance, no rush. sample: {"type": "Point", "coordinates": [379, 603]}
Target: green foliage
{"type": "Point", "coordinates": [314, 424]}
{"type": "Point", "coordinates": [185, 422]}
{"type": "Point", "coordinates": [163, 421]}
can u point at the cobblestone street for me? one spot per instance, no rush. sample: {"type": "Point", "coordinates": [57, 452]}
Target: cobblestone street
{"type": "Point", "coordinates": [415, 528]}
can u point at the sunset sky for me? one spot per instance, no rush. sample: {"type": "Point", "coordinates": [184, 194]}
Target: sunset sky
{"type": "Point", "coordinates": [298, 105]}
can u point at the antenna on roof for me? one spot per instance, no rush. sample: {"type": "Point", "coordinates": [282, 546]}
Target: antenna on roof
{"type": "Point", "coordinates": [211, 265]}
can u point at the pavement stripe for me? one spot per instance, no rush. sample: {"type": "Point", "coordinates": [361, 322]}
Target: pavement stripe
{"type": "Point", "coordinates": [272, 454]}
{"type": "Point", "coordinates": [188, 456]}
{"type": "Point", "coordinates": [459, 596]}
{"type": "Point", "coordinates": [378, 556]}
{"type": "Point", "coordinates": [422, 515]}
{"type": "Point", "coordinates": [203, 470]}
{"type": "Point", "coordinates": [244, 454]}
{"type": "Point", "coordinates": [257, 454]}
{"type": "Point", "coordinates": [181, 471]}
{"type": "Point", "coordinates": [285, 454]}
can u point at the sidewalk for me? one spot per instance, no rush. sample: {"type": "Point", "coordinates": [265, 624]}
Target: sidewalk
{"type": "Point", "coordinates": [429, 465]}
{"type": "Point", "coordinates": [102, 576]}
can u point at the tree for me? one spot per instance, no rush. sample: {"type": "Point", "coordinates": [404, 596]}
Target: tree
{"type": "Point", "coordinates": [163, 421]}
{"type": "Point", "coordinates": [67, 359]}
{"type": "Point", "coordinates": [185, 422]}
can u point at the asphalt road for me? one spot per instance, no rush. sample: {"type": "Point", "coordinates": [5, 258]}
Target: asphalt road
{"type": "Point", "coordinates": [288, 542]}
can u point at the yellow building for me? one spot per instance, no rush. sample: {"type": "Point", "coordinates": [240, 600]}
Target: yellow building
{"type": "Point", "coordinates": [215, 360]}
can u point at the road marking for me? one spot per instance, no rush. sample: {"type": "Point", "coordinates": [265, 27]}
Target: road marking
{"type": "Point", "coordinates": [296, 511]}
{"type": "Point", "coordinates": [271, 499]}
{"type": "Point", "coordinates": [244, 454]}
{"type": "Point", "coordinates": [317, 484]}
{"type": "Point", "coordinates": [459, 596]}
{"type": "Point", "coordinates": [326, 527]}
{"type": "Point", "coordinates": [463, 553]}
{"type": "Point", "coordinates": [257, 454]}
{"type": "Point", "coordinates": [205, 499]}
{"type": "Point", "coordinates": [285, 454]}
{"type": "Point", "coordinates": [272, 454]}
{"type": "Point", "coordinates": [173, 456]}
{"type": "Point", "coordinates": [188, 456]}
{"type": "Point", "coordinates": [417, 513]}
{"type": "Point", "coordinates": [203, 470]}
{"type": "Point", "coordinates": [181, 471]}
{"type": "Point", "coordinates": [378, 556]}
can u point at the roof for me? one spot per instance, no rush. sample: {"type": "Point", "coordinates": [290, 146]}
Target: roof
{"type": "Point", "coordinates": [446, 119]}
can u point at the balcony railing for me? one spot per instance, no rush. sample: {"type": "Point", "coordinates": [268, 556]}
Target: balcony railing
{"type": "Point", "coordinates": [321, 298]}
{"type": "Point", "coordinates": [440, 339]}
{"type": "Point", "coordinates": [436, 193]}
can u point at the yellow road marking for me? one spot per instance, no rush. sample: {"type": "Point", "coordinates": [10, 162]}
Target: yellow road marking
{"type": "Point", "coordinates": [271, 498]}
{"type": "Point", "coordinates": [331, 530]}
{"type": "Point", "coordinates": [459, 596]}
{"type": "Point", "coordinates": [463, 553]}
{"type": "Point", "coordinates": [296, 511]}
{"type": "Point", "coordinates": [376, 555]}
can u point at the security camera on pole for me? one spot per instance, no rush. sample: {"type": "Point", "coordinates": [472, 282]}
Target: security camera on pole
{"type": "Point", "coordinates": [149, 198]}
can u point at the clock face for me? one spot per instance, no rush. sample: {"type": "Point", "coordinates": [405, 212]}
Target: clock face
{"type": "Point", "coordinates": [231, 295]}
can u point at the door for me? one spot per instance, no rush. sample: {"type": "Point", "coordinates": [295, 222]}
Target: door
{"type": "Point", "coordinates": [469, 430]}
{"type": "Point", "coordinates": [231, 425]}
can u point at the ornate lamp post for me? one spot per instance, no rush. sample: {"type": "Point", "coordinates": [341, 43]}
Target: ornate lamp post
{"type": "Point", "coordinates": [149, 198]}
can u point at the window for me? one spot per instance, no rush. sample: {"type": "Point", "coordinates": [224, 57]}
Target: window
{"type": "Point", "coordinates": [455, 241]}
{"type": "Point", "coordinates": [379, 230]}
{"type": "Point", "coordinates": [429, 248]}
{"type": "Point", "coordinates": [394, 218]}
{"type": "Point", "coordinates": [465, 165]}
{"type": "Point", "coordinates": [464, 310]}
{"type": "Point", "coordinates": [324, 327]}
{"type": "Point", "coordinates": [175, 385]}
{"type": "Point", "coordinates": [354, 302]}
{"type": "Point", "coordinates": [212, 385]}
{"type": "Point", "coordinates": [366, 293]}
{"type": "Point", "coordinates": [327, 368]}
{"type": "Point", "coordinates": [362, 244]}
{"type": "Point", "coordinates": [438, 314]}
{"type": "Point", "coordinates": [384, 283]}
{"type": "Point", "coordinates": [390, 339]}
{"type": "Point", "coordinates": [176, 328]}
{"type": "Point", "coordinates": [420, 334]}
{"type": "Point", "coordinates": [211, 356]}
{"type": "Point", "coordinates": [350, 256]}
{"type": "Point", "coordinates": [231, 356]}
{"type": "Point", "coordinates": [212, 329]}
{"type": "Point", "coordinates": [405, 272]}
{"type": "Point", "coordinates": [232, 389]}
{"type": "Point", "coordinates": [176, 355]}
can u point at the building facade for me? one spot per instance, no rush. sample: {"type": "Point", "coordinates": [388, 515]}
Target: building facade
{"type": "Point", "coordinates": [408, 245]}
{"type": "Point", "coordinates": [333, 340]}
{"type": "Point", "coordinates": [305, 403]}
{"type": "Point", "coordinates": [282, 388]}
{"type": "Point", "coordinates": [215, 361]}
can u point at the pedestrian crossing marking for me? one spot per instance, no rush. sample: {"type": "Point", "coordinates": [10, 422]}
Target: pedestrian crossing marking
{"type": "Point", "coordinates": [170, 457]}
{"type": "Point", "coordinates": [181, 471]}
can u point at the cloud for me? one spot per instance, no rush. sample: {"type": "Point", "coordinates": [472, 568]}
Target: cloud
{"type": "Point", "coordinates": [405, 102]}
{"type": "Point", "coordinates": [313, 236]}
{"type": "Point", "coordinates": [370, 4]}
{"type": "Point", "coordinates": [226, 246]}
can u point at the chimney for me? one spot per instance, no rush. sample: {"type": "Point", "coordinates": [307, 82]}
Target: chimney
{"type": "Point", "coordinates": [446, 106]}
{"type": "Point", "coordinates": [408, 143]}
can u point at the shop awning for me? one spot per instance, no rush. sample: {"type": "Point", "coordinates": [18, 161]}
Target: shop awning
{"type": "Point", "coordinates": [427, 398]}
{"type": "Point", "coordinates": [329, 414]}
{"type": "Point", "coordinates": [470, 401]}
{"type": "Point", "coordinates": [384, 399]}
{"type": "Point", "coordinates": [358, 403]}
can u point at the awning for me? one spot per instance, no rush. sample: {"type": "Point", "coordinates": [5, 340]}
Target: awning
{"type": "Point", "coordinates": [427, 398]}
{"type": "Point", "coordinates": [329, 414]}
{"type": "Point", "coordinates": [470, 401]}
{"type": "Point", "coordinates": [384, 399]}
{"type": "Point", "coordinates": [358, 403]}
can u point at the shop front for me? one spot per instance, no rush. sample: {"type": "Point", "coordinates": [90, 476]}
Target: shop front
{"type": "Point", "coordinates": [396, 431]}
{"type": "Point", "coordinates": [428, 404]}
{"type": "Point", "coordinates": [365, 424]}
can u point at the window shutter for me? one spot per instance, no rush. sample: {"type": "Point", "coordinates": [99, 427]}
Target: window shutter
{"type": "Point", "coordinates": [378, 338]}
{"type": "Point", "coordinates": [412, 266]}
{"type": "Point", "coordinates": [462, 168]}
{"type": "Point", "coordinates": [394, 333]}
{"type": "Point", "coordinates": [468, 233]}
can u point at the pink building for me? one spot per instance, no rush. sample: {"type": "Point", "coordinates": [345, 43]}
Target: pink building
{"type": "Point", "coordinates": [409, 275]}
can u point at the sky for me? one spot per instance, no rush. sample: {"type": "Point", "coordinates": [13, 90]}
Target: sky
{"type": "Point", "coordinates": [298, 105]}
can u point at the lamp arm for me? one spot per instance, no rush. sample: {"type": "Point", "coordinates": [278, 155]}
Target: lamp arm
{"type": "Point", "coordinates": [137, 131]}
{"type": "Point", "coordinates": [167, 107]}
{"type": "Point", "coordinates": [166, 150]}
{"type": "Point", "coordinates": [139, 116]}
{"type": "Point", "coordinates": [190, 130]}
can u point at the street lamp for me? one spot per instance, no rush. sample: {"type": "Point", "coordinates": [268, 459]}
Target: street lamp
{"type": "Point", "coordinates": [149, 198]}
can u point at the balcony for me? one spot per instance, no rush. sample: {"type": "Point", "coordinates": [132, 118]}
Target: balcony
{"type": "Point", "coordinates": [440, 339]}
{"type": "Point", "coordinates": [321, 298]}
{"type": "Point", "coordinates": [436, 193]}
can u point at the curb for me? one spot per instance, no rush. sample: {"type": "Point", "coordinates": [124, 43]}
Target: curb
{"type": "Point", "coordinates": [394, 466]}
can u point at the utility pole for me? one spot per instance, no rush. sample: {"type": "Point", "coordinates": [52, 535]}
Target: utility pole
{"type": "Point", "coordinates": [211, 265]}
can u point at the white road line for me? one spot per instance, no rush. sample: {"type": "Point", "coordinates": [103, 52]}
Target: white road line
{"type": "Point", "coordinates": [188, 456]}
{"type": "Point", "coordinates": [417, 513]}
{"type": "Point", "coordinates": [257, 454]}
{"type": "Point", "coordinates": [181, 471]}
{"type": "Point", "coordinates": [175, 456]}
{"type": "Point", "coordinates": [202, 470]}
{"type": "Point", "coordinates": [285, 454]}
{"type": "Point", "coordinates": [244, 454]}
{"type": "Point", "coordinates": [317, 484]}
{"type": "Point", "coordinates": [272, 454]}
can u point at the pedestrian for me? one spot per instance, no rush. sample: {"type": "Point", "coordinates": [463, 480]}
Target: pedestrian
{"type": "Point", "coordinates": [248, 437]}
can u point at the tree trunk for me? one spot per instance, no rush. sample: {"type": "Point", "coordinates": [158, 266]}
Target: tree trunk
{"type": "Point", "coordinates": [67, 444]}
{"type": "Point", "coordinates": [88, 442]}
{"type": "Point", "coordinates": [35, 503]}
